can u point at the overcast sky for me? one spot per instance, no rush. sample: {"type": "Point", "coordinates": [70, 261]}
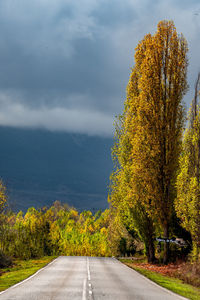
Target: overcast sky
{"type": "Point", "coordinates": [65, 64]}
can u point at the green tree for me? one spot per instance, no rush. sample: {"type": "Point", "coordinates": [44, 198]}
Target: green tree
{"type": "Point", "coordinates": [129, 208]}
{"type": "Point", "coordinates": [188, 181]}
{"type": "Point", "coordinates": [3, 198]}
{"type": "Point", "coordinates": [3, 225]}
{"type": "Point", "coordinates": [153, 122]}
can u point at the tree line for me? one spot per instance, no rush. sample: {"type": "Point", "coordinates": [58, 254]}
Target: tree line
{"type": "Point", "coordinates": [61, 230]}
{"type": "Point", "coordinates": [58, 230]}
{"type": "Point", "coordinates": [155, 183]}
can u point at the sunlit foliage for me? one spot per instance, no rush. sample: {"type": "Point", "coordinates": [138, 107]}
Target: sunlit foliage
{"type": "Point", "coordinates": [59, 230]}
{"type": "Point", "coordinates": [188, 181]}
{"type": "Point", "coordinates": [150, 135]}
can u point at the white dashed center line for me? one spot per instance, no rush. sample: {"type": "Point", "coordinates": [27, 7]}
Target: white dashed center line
{"type": "Point", "coordinates": [84, 289]}
{"type": "Point", "coordinates": [89, 278]}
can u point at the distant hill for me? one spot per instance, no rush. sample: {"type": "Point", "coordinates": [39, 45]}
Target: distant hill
{"type": "Point", "coordinates": [39, 167]}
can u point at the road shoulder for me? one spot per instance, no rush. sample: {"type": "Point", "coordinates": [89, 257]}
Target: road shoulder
{"type": "Point", "coordinates": [170, 284]}
{"type": "Point", "coordinates": [22, 271]}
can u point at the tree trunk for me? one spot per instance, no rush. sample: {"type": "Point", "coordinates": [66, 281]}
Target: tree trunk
{"type": "Point", "coordinates": [166, 245]}
{"type": "Point", "coordinates": [151, 252]}
{"type": "Point", "coordinates": [150, 249]}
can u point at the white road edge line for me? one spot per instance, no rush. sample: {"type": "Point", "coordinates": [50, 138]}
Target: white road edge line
{"type": "Point", "coordinates": [152, 282]}
{"type": "Point", "coordinates": [30, 277]}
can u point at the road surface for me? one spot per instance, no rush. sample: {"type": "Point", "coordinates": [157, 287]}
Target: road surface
{"type": "Point", "coordinates": [87, 278]}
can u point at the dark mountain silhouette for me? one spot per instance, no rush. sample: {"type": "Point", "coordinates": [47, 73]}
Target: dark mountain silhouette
{"type": "Point", "coordinates": [39, 167]}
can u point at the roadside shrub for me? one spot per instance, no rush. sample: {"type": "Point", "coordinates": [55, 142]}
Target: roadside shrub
{"type": "Point", "coordinates": [5, 261]}
{"type": "Point", "coordinates": [186, 273]}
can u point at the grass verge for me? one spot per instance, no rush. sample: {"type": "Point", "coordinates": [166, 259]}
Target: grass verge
{"type": "Point", "coordinates": [170, 283]}
{"type": "Point", "coordinates": [21, 270]}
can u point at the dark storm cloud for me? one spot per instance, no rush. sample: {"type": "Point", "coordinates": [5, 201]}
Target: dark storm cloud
{"type": "Point", "coordinates": [65, 64]}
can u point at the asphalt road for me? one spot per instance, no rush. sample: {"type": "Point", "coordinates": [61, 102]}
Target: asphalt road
{"type": "Point", "coordinates": [86, 278]}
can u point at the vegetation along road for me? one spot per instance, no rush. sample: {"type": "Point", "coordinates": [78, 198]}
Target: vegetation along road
{"type": "Point", "coordinates": [87, 278]}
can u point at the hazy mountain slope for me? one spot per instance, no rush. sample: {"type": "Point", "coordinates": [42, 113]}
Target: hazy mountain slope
{"type": "Point", "coordinates": [39, 167]}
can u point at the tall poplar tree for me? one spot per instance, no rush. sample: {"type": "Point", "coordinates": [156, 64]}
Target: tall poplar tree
{"type": "Point", "coordinates": [153, 122]}
{"type": "Point", "coordinates": [161, 66]}
{"type": "Point", "coordinates": [188, 181]}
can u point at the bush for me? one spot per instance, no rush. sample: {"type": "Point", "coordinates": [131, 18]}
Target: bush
{"type": "Point", "coordinates": [189, 273]}
{"type": "Point", "coordinates": [5, 261]}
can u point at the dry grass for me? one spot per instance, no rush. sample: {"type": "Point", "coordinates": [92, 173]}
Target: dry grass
{"type": "Point", "coordinates": [189, 273]}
